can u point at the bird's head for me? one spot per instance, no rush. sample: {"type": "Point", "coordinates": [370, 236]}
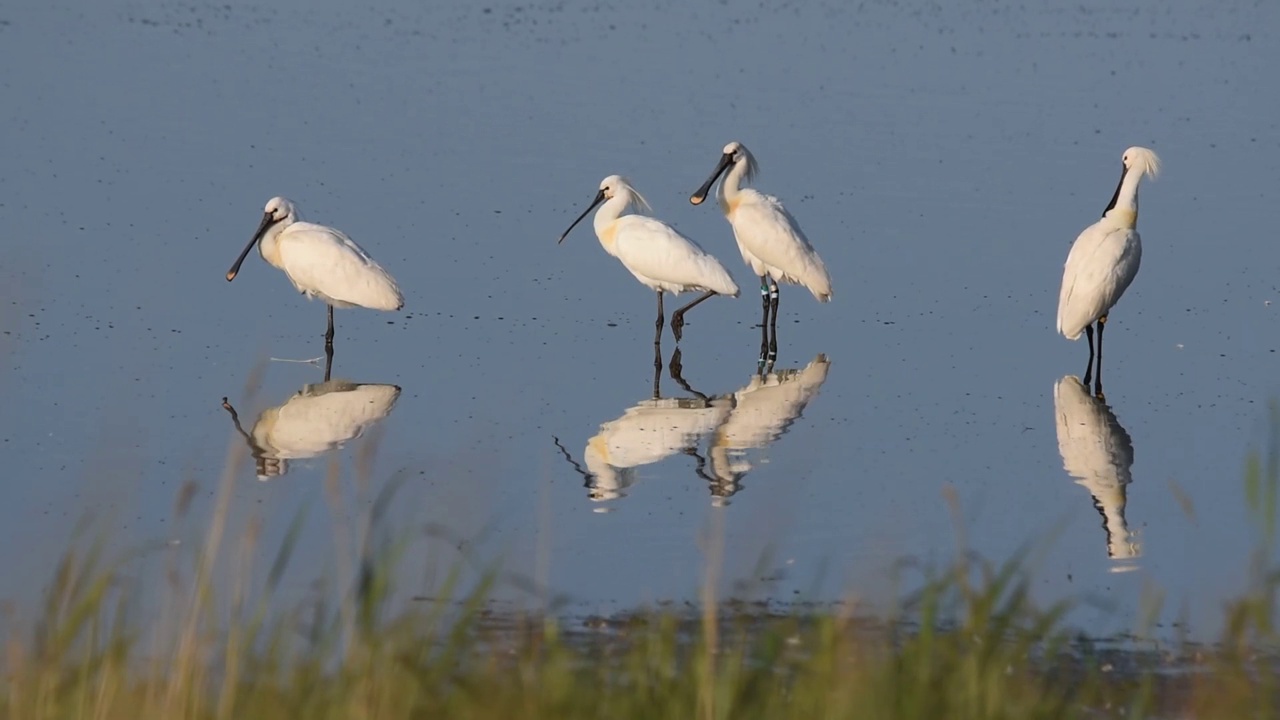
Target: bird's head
{"type": "Point", "coordinates": [1123, 208]}
{"type": "Point", "coordinates": [278, 208]}
{"type": "Point", "coordinates": [617, 185]}
{"type": "Point", "coordinates": [1141, 160]}
{"type": "Point", "coordinates": [733, 154]}
{"type": "Point", "coordinates": [614, 186]}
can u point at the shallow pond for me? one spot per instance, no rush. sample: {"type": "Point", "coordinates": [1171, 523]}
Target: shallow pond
{"type": "Point", "coordinates": [941, 157]}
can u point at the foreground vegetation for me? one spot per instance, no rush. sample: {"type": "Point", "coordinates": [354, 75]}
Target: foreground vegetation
{"type": "Point", "coordinates": [971, 644]}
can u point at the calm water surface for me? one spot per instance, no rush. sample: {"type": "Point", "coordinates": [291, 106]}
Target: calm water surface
{"type": "Point", "coordinates": [940, 157]}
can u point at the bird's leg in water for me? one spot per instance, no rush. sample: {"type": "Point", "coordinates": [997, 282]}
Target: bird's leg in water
{"type": "Point", "coordinates": [657, 335]}
{"type": "Point", "coordinates": [700, 465]}
{"type": "Point", "coordinates": [328, 335]}
{"type": "Point", "coordinates": [1097, 363]}
{"type": "Point", "coordinates": [657, 349]}
{"type": "Point", "coordinates": [1088, 371]}
{"type": "Point", "coordinates": [677, 317]}
{"type": "Point", "coordinates": [764, 366]}
{"type": "Point", "coordinates": [657, 370]}
{"type": "Point", "coordinates": [773, 322]}
{"type": "Point", "coordinates": [328, 361]}
{"type": "Point", "coordinates": [764, 320]}
{"type": "Point", "coordinates": [676, 368]}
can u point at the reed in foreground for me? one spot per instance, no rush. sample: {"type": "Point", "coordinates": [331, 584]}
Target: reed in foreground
{"type": "Point", "coordinates": [970, 644]}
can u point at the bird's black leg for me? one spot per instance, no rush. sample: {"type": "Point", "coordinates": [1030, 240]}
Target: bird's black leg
{"type": "Point", "coordinates": [1088, 371]}
{"type": "Point", "coordinates": [1097, 363]}
{"type": "Point", "coordinates": [677, 317]}
{"type": "Point", "coordinates": [328, 361]}
{"type": "Point", "coordinates": [657, 335]}
{"type": "Point", "coordinates": [773, 322]}
{"type": "Point", "coordinates": [657, 371]}
{"type": "Point", "coordinates": [657, 348]}
{"type": "Point", "coordinates": [676, 367]}
{"type": "Point", "coordinates": [764, 319]}
{"type": "Point", "coordinates": [328, 335]}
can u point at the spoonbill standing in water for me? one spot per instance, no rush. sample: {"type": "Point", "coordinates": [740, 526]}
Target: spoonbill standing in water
{"type": "Point", "coordinates": [662, 259]}
{"type": "Point", "coordinates": [769, 239]}
{"type": "Point", "coordinates": [321, 262]}
{"type": "Point", "coordinates": [1104, 260]}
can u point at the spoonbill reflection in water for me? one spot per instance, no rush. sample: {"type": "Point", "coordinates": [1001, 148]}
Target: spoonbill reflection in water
{"type": "Point", "coordinates": [1104, 260]}
{"type": "Point", "coordinates": [763, 411]}
{"type": "Point", "coordinates": [648, 432]}
{"type": "Point", "coordinates": [662, 259]}
{"type": "Point", "coordinates": [769, 238]}
{"type": "Point", "coordinates": [321, 262]}
{"type": "Point", "coordinates": [316, 419]}
{"type": "Point", "coordinates": [1098, 453]}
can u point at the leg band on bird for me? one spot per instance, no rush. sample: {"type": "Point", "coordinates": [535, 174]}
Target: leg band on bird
{"type": "Point", "coordinates": [773, 321]}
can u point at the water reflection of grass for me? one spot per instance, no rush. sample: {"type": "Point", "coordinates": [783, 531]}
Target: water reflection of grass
{"type": "Point", "coordinates": [970, 644]}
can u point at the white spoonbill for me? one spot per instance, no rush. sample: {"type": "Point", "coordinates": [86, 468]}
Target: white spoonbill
{"type": "Point", "coordinates": [770, 240]}
{"type": "Point", "coordinates": [1104, 260]}
{"type": "Point", "coordinates": [321, 262]}
{"type": "Point", "coordinates": [1098, 453]}
{"type": "Point", "coordinates": [662, 259]}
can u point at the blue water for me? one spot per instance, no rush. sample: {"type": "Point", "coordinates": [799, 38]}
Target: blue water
{"type": "Point", "coordinates": [940, 158]}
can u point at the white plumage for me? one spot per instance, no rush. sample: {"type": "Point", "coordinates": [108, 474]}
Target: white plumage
{"type": "Point", "coordinates": [1097, 451]}
{"type": "Point", "coordinates": [321, 262]}
{"type": "Point", "coordinates": [762, 412]}
{"type": "Point", "coordinates": [769, 238]}
{"type": "Point", "coordinates": [316, 419]}
{"type": "Point", "coordinates": [662, 259]}
{"type": "Point", "coordinates": [1105, 257]}
{"type": "Point", "coordinates": [1100, 267]}
{"type": "Point", "coordinates": [324, 263]}
{"type": "Point", "coordinates": [646, 433]}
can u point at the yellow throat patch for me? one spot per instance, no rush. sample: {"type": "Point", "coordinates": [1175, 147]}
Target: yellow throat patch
{"type": "Point", "coordinates": [1124, 217]}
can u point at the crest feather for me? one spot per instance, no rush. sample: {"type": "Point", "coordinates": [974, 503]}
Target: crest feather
{"type": "Point", "coordinates": [1143, 160]}
{"type": "Point", "coordinates": [753, 167]}
{"type": "Point", "coordinates": [637, 200]}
